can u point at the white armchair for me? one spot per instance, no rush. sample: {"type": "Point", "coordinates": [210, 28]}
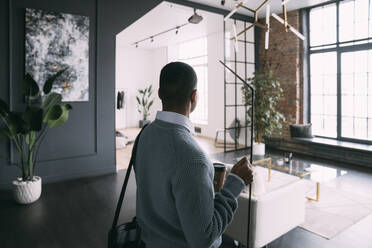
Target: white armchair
{"type": "Point", "coordinates": [273, 213]}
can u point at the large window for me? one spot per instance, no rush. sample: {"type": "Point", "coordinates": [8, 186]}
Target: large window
{"type": "Point", "coordinates": [340, 60]}
{"type": "Point", "coordinates": [195, 53]}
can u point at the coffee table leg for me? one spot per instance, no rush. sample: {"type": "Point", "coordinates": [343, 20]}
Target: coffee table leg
{"type": "Point", "coordinates": [316, 199]}
{"type": "Point", "coordinates": [270, 165]}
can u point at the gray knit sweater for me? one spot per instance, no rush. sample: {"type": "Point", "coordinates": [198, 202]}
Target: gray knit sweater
{"type": "Point", "coordinates": [176, 203]}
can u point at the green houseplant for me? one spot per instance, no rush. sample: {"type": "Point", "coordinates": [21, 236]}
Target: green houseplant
{"type": "Point", "coordinates": [27, 129]}
{"type": "Point", "coordinates": [144, 104]}
{"type": "Point", "coordinates": [267, 119]}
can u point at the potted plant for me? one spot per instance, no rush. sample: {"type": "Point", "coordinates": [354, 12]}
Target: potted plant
{"type": "Point", "coordinates": [267, 119]}
{"type": "Point", "coordinates": [144, 104]}
{"type": "Point", "coordinates": [27, 129]}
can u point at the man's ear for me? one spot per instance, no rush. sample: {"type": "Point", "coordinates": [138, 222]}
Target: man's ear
{"type": "Point", "coordinates": [194, 95]}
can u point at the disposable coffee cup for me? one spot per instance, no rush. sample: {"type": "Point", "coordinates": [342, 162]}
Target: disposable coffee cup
{"type": "Point", "coordinates": [219, 176]}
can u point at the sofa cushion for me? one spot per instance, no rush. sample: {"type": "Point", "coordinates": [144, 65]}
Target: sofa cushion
{"type": "Point", "coordinates": [301, 131]}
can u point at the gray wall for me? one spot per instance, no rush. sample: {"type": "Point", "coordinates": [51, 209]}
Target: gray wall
{"type": "Point", "coordinates": [85, 145]}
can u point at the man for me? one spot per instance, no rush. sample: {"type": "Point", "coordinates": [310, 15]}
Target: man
{"type": "Point", "coordinates": [176, 203]}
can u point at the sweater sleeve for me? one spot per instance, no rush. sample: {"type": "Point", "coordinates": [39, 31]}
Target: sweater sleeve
{"type": "Point", "coordinates": [203, 214]}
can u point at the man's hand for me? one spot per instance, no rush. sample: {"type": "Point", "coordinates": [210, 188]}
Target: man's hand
{"type": "Point", "coordinates": [243, 169]}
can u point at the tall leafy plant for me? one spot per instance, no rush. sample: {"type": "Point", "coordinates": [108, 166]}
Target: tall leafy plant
{"type": "Point", "coordinates": [267, 119]}
{"type": "Point", "coordinates": [27, 129]}
{"type": "Point", "coordinates": [143, 101]}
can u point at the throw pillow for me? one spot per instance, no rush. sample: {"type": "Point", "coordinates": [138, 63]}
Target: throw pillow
{"type": "Point", "coordinates": [301, 131]}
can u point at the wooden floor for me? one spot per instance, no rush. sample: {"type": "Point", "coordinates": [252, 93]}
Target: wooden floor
{"type": "Point", "coordinates": [78, 213]}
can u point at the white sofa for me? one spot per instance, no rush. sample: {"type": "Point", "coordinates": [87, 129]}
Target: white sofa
{"type": "Point", "coordinates": [273, 213]}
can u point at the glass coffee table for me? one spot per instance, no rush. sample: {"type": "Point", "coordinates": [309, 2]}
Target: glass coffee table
{"type": "Point", "coordinates": [315, 172]}
{"type": "Point", "coordinates": [312, 171]}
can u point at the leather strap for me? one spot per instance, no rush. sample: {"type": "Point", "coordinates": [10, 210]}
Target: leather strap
{"type": "Point", "coordinates": [125, 184]}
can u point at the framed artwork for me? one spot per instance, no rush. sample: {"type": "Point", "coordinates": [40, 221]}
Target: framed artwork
{"type": "Point", "coordinates": [56, 41]}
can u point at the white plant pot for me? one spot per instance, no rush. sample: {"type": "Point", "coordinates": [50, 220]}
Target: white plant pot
{"type": "Point", "coordinates": [27, 192]}
{"type": "Point", "coordinates": [259, 149]}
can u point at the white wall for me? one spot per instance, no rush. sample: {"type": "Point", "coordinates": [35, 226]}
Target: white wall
{"type": "Point", "coordinates": [136, 69]}
{"type": "Point", "coordinates": [160, 59]}
{"type": "Point", "coordinates": [215, 86]}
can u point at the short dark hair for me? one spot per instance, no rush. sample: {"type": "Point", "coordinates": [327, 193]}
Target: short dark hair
{"type": "Point", "coordinates": [177, 82]}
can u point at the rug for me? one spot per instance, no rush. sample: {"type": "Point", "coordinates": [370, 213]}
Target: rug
{"type": "Point", "coordinates": [336, 211]}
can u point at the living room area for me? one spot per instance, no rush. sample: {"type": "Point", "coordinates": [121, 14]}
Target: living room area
{"type": "Point", "coordinates": [285, 83]}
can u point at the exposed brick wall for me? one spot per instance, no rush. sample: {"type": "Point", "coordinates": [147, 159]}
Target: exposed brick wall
{"type": "Point", "coordinates": [284, 56]}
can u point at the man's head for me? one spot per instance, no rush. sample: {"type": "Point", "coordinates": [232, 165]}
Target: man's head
{"type": "Point", "coordinates": [178, 87]}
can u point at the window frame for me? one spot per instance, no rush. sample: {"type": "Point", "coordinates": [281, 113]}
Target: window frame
{"type": "Point", "coordinates": [339, 48]}
{"type": "Point", "coordinates": [185, 60]}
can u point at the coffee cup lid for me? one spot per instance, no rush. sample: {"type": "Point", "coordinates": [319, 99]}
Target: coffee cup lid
{"type": "Point", "coordinates": [219, 167]}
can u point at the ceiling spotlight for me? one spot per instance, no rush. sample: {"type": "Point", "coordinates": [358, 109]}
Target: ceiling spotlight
{"type": "Point", "coordinates": [136, 44]}
{"type": "Point", "coordinates": [177, 30]}
{"type": "Point", "coordinates": [222, 2]}
{"type": "Point", "coordinates": [152, 39]}
{"type": "Point", "coordinates": [195, 18]}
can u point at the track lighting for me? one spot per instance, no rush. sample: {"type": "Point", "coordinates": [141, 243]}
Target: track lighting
{"type": "Point", "coordinates": [194, 19]}
{"type": "Point", "coordinates": [222, 2]}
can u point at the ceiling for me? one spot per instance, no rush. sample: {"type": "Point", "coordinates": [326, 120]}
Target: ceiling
{"type": "Point", "coordinates": [275, 5]}
{"type": "Point", "coordinates": [166, 16]}
{"type": "Point", "coordinates": [169, 15]}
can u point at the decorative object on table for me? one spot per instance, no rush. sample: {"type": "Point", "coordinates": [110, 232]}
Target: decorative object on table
{"type": "Point", "coordinates": [288, 157]}
{"type": "Point", "coordinates": [267, 119]}
{"type": "Point", "coordinates": [266, 26]}
{"type": "Point", "coordinates": [144, 104]}
{"type": "Point", "coordinates": [28, 129]}
{"type": "Point", "coordinates": [54, 41]}
{"type": "Point", "coordinates": [301, 131]}
{"type": "Point", "coordinates": [219, 176]}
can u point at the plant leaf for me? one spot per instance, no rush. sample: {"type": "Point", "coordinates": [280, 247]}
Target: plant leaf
{"type": "Point", "coordinates": [16, 124]}
{"type": "Point", "coordinates": [49, 82]}
{"type": "Point", "coordinates": [138, 100]}
{"type": "Point", "coordinates": [53, 114]}
{"type": "Point", "coordinates": [5, 134]}
{"type": "Point", "coordinates": [30, 87]}
{"type": "Point", "coordinates": [62, 118]}
{"type": "Point", "coordinates": [51, 100]}
{"type": "Point", "coordinates": [34, 118]}
{"type": "Point", "coordinates": [4, 108]}
{"type": "Point", "coordinates": [150, 104]}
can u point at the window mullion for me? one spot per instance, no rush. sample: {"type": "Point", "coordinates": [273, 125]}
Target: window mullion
{"type": "Point", "coordinates": [339, 100]}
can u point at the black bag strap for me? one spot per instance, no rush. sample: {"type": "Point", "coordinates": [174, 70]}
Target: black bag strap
{"type": "Point", "coordinates": [125, 184]}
